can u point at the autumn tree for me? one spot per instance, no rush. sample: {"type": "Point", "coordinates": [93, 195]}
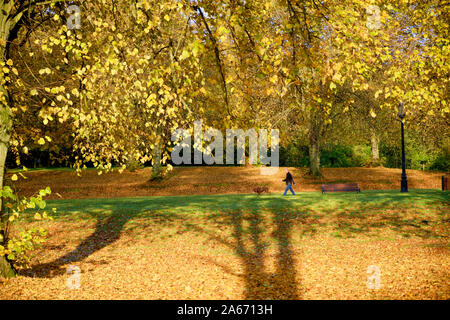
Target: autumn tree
{"type": "Point", "coordinates": [137, 70]}
{"type": "Point", "coordinates": [15, 15]}
{"type": "Point", "coordinates": [141, 77]}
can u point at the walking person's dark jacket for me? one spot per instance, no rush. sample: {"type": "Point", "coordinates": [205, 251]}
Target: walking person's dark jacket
{"type": "Point", "coordinates": [289, 179]}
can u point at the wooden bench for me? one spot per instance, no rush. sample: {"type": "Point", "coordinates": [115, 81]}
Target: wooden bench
{"type": "Point", "coordinates": [340, 187]}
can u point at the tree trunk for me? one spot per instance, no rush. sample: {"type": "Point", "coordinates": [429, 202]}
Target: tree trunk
{"type": "Point", "coordinates": [314, 143]}
{"type": "Point", "coordinates": [5, 131]}
{"type": "Point", "coordinates": [374, 144]}
{"type": "Point", "coordinates": [6, 269]}
{"type": "Point", "coordinates": [314, 158]}
{"type": "Point", "coordinates": [157, 170]}
{"type": "Point", "coordinates": [132, 162]}
{"type": "Point", "coordinates": [5, 110]}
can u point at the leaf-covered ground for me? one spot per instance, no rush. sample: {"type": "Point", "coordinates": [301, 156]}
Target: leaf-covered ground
{"type": "Point", "coordinates": [310, 246]}
{"type": "Point", "coordinates": [65, 184]}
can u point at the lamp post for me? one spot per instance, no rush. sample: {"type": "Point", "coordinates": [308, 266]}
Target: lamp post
{"type": "Point", "coordinates": [404, 182]}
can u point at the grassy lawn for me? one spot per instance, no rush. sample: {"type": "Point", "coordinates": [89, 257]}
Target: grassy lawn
{"type": "Point", "coordinates": [308, 246]}
{"type": "Point", "coordinates": [425, 211]}
{"type": "Point", "coordinates": [204, 203]}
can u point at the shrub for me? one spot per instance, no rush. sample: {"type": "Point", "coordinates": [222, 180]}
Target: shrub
{"type": "Point", "coordinates": [16, 247]}
{"type": "Point", "coordinates": [294, 155]}
{"type": "Point", "coordinates": [362, 156]}
{"type": "Point", "coordinates": [336, 156]}
{"type": "Point", "coordinates": [392, 155]}
{"type": "Point", "coordinates": [441, 163]}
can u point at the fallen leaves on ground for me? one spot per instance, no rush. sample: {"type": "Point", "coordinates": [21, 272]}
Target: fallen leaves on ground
{"type": "Point", "coordinates": [212, 180]}
{"type": "Point", "coordinates": [241, 254]}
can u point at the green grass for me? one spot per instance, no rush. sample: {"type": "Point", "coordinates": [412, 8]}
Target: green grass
{"type": "Point", "coordinates": [385, 214]}
{"type": "Point", "coordinates": [205, 204]}
{"type": "Point", "coordinates": [43, 169]}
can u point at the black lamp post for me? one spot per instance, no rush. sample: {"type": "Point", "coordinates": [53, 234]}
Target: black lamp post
{"type": "Point", "coordinates": [404, 183]}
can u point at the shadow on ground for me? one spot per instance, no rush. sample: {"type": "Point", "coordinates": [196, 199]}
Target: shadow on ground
{"type": "Point", "coordinates": [247, 242]}
{"type": "Point", "coordinates": [245, 216]}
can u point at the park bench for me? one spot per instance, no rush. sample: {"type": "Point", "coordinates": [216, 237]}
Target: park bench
{"type": "Point", "coordinates": [340, 187]}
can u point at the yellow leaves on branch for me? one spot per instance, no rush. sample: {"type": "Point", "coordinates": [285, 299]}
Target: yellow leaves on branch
{"type": "Point", "coordinates": [185, 54]}
{"type": "Point", "coordinates": [378, 93]}
{"type": "Point", "coordinates": [274, 79]}
{"type": "Point", "coordinates": [75, 92]}
{"type": "Point", "coordinates": [41, 141]}
{"type": "Point", "coordinates": [45, 71]}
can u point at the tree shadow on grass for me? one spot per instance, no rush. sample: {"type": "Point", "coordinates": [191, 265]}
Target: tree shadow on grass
{"type": "Point", "coordinates": [245, 215]}
{"type": "Point", "coordinates": [107, 231]}
{"type": "Point", "coordinates": [260, 284]}
{"type": "Point", "coordinates": [249, 245]}
{"type": "Point", "coordinates": [405, 222]}
{"type": "Point", "coordinates": [247, 223]}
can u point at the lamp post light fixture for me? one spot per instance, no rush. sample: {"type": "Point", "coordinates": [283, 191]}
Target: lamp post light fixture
{"type": "Point", "coordinates": [404, 181]}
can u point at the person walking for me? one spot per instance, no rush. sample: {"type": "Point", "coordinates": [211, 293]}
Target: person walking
{"type": "Point", "coordinates": [289, 182]}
